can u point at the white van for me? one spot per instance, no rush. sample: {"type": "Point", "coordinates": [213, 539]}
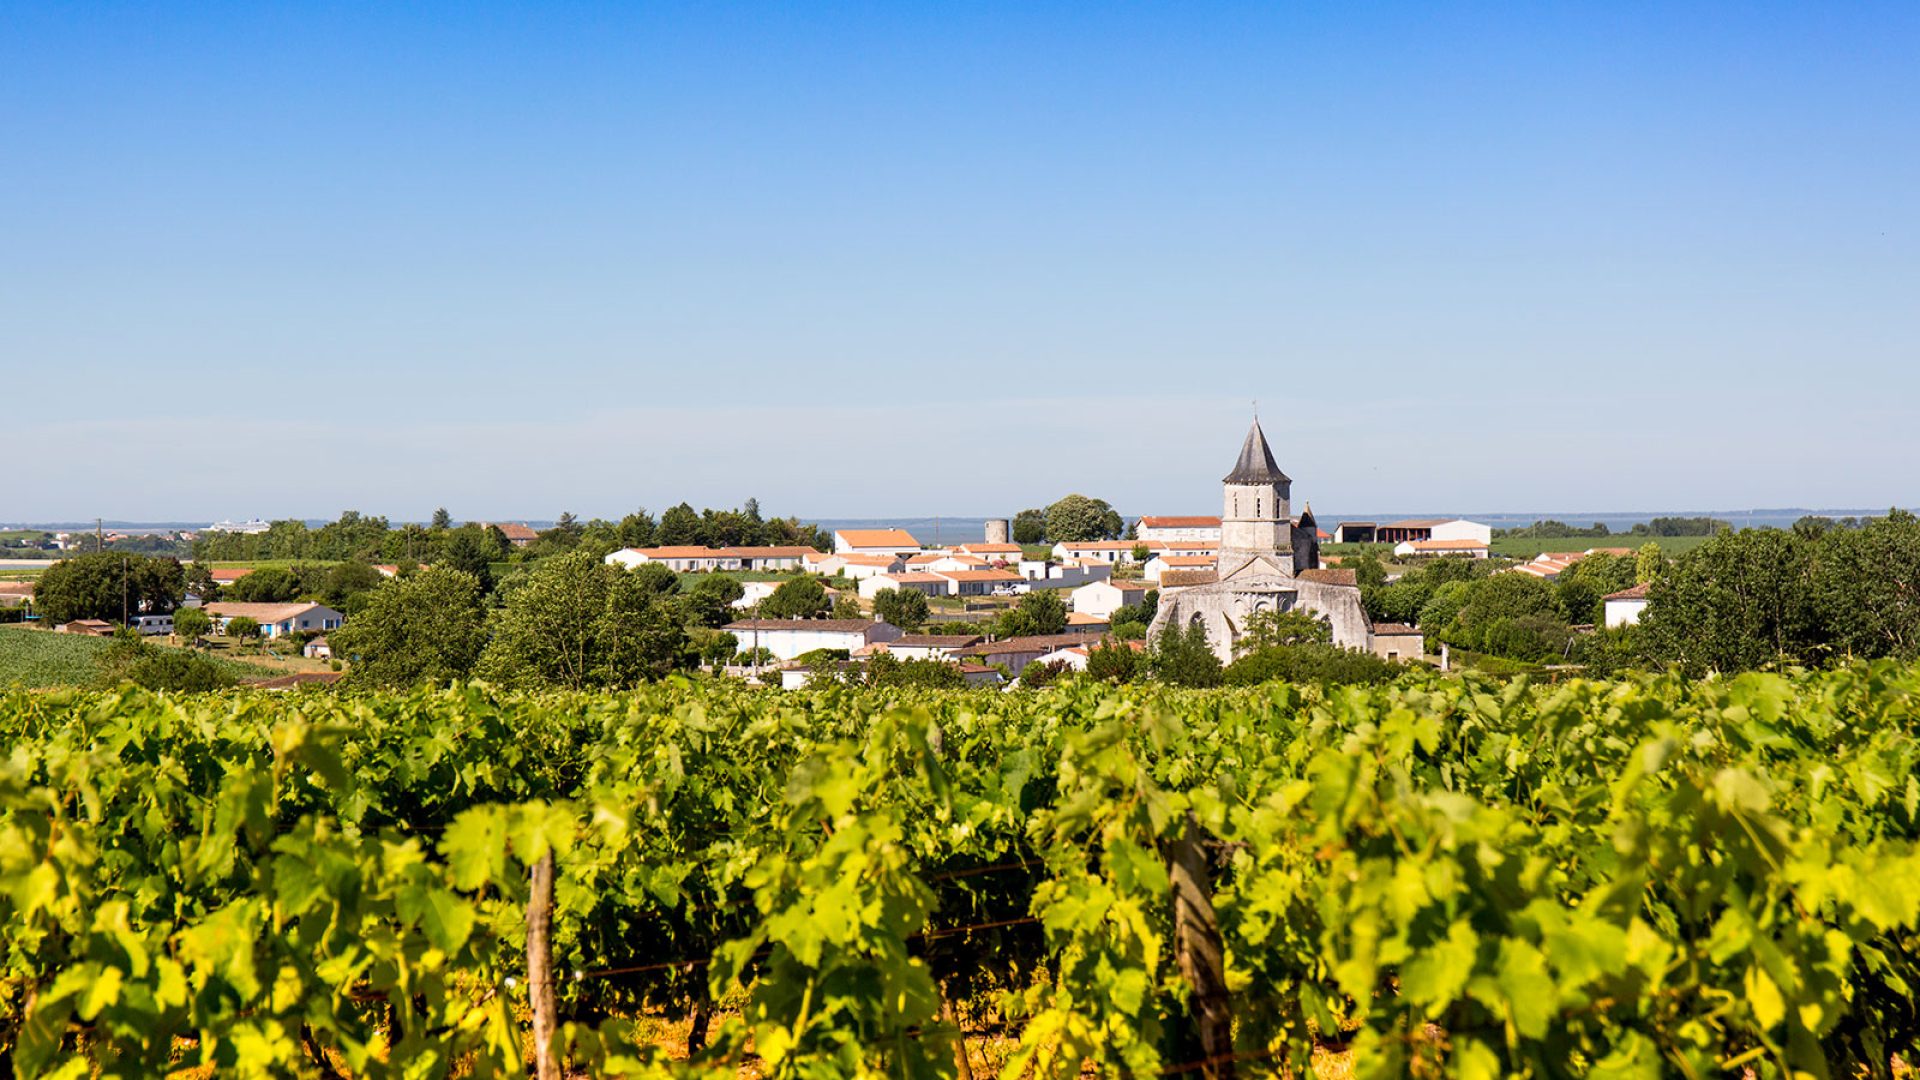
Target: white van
{"type": "Point", "coordinates": [153, 624]}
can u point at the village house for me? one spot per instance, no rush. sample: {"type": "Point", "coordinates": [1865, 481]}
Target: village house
{"type": "Point", "coordinates": [224, 576]}
{"type": "Point", "coordinates": [517, 534]}
{"type": "Point", "coordinates": [993, 553]}
{"type": "Point", "coordinates": [1160, 564]}
{"type": "Point", "coordinates": [317, 649]}
{"type": "Point", "coordinates": [1103, 598]}
{"type": "Point", "coordinates": [88, 627]}
{"type": "Point", "coordinates": [789, 638]}
{"type": "Point", "coordinates": [1015, 653]}
{"type": "Point", "coordinates": [924, 583]}
{"type": "Point", "coordinates": [875, 542]}
{"type": "Point", "coordinates": [928, 646]}
{"type": "Point", "coordinates": [1111, 552]}
{"type": "Point", "coordinates": [1075, 657]}
{"type": "Point", "coordinates": [1205, 529]}
{"type": "Point", "coordinates": [698, 559]}
{"type": "Point", "coordinates": [277, 619]}
{"type": "Point", "coordinates": [856, 567]}
{"type": "Point", "coordinates": [1625, 607]}
{"type": "Point", "coordinates": [1394, 532]}
{"type": "Point", "coordinates": [980, 582]}
{"type": "Point", "coordinates": [1472, 549]}
{"type": "Point", "coordinates": [1396, 641]}
{"type": "Point", "coordinates": [1045, 574]}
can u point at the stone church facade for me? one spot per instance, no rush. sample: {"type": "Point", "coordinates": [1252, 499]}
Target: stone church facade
{"type": "Point", "coordinates": [1269, 561]}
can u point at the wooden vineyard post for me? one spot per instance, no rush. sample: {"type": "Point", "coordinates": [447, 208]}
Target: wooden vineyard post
{"type": "Point", "coordinates": [1196, 937]}
{"type": "Point", "coordinates": [540, 967]}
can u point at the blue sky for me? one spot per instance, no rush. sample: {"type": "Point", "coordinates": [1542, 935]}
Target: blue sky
{"type": "Point", "coordinates": [284, 260]}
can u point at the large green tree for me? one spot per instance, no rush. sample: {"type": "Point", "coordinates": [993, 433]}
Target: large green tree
{"type": "Point", "coordinates": [801, 598]}
{"type": "Point", "coordinates": [425, 628]}
{"type": "Point", "coordinates": [578, 622]}
{"type": "Point", "coordinates": [103, 585]}
{"type": "Point", "coordinates": [1867, 587]}
{"type": "Point", "coordinates": [904, 608]}
{"type": "Point", "coordinates": [1739, 601]}
{"type": "Point", "coordinates": [268, 585]}
{"type": "Point", "coordinates": [1030, 526]}
{"type": "Point", "coordinates": [1077, 517]}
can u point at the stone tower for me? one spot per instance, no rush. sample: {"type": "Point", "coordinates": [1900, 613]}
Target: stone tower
{"type": "Point", "coordinates": [1256, 520]}
{"type": "Point", "coordinates": [997, 530]}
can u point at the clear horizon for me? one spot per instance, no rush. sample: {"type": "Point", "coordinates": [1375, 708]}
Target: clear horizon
{"type": "Point", "coordinates": [876, 260]}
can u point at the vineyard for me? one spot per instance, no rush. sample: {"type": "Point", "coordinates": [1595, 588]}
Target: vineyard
{"type": "Point", "coordinates": [1649, 877]}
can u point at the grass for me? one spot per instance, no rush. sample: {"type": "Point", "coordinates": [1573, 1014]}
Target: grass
{"type": "Point", "coordinates": [37, 658]}
{"type": "Point", "coordinates": [1526, 547]}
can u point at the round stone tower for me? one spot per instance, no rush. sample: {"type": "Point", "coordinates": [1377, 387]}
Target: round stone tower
{"type": "Point", "coordinates": [998, 529]}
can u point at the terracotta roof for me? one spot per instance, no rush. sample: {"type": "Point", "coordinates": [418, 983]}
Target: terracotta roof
{"type": "Point", "coordinates": [1393, 629]}
{"type": "Point", "coordinates": [1179, 522]}
{"type": "Point", "coordinates": [696, 551]}
{"type": "Point", "coordinates": [834, 626]}
{"type": "Point", "coordinates": [1113, 545]}
{"type": "Point", "coordinates": [1617, 552]}
{"type": "Point", "coordinates": [1189, 560]}
{"type": "Point", "coordinates": [1081, 618]}
{"type": "Point", "coordinates": [1123, 586]}
{"type": "Point", "coordinates": [992, 549]}
{"type": "Point", "coordinates": [877, 538]}
{"type": "Point", "coordinates": [514, 530]}
{"type": "Point", "coordinates": [1447, 545]}
{"type": "Point", "coordinates": [1328, 577]}
{"type": "Point", "coordinates": [16, 588]}
{"type": "Point", "coordinates": [263, 613]}
{"type": "Point", "coordinates": [1173, 579]}
{"type": "Point", "coordinates": [1638, 592]}
{"type": "Point", "coordinates": [935, 641]}
{"type": "Point", "coordinates": [1044, 643]}
{"type": "Point", "coordinates": [1417, 523]}
{"type": "Point", "coordinates": [229, 574]}
{"type": "Point", "coordinates": [858, 558]}
{"type": "Point", "coordinates": [977, 575]}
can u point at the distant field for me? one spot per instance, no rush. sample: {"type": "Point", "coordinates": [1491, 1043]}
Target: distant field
{"type": "Point", "coordinates": [264, 564]}
{"type": "Point", "coordinates": [1526, 547]}
{"type": "Point", "coordinates": [41, 658]}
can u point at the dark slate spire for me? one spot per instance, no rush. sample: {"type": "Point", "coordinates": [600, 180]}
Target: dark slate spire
{"type": "Point", "coordinates": [1256, 462]}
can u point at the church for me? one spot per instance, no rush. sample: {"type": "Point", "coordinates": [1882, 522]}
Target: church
{"type": "Point", "coordinates": [1269, 561]}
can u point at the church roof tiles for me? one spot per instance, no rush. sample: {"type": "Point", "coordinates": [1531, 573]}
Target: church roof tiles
{"type": "Point", "coordinates": [1256, 465]}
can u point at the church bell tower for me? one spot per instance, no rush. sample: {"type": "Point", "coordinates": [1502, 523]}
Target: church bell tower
{"type": "Point", "coordinates": [1256, 520]}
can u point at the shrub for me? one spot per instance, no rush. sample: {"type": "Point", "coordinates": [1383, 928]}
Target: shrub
{"type": "Point", "coordinates": [1311, 663]}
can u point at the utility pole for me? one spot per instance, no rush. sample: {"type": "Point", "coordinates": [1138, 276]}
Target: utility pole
{"type": "Point", "coordinates": [123, 589]}
{"type": "Point", "coordinates": [98, 538]}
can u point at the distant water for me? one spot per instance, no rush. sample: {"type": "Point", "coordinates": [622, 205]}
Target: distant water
{"type": "Point", "coordinates": [967, 530]}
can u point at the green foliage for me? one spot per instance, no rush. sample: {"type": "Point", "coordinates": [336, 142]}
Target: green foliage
{"type": "Point", "coordinates": [131, 660]}
{"type": "Point", "coordinates": [884, 669]}
{"type": "Point", "coordinates": [1114, 662]}
{"type": "Point", "coordinates": [1076, 517]}
{"type": "Point", "coordinates": [1676, 526]}
{"type": "Point", "coordinates": [708, 604]}
{"type": "Point", "coordinates": [1132, 620]}
{"type": "Point", "coordinates": [801, 598]}
{"type": "Point", "coordinates": [44, 659]}
{"type": "Point", "coordinates": [192, 624]}
{"type": "Point", "coordinates": [904, 608]}
{"type": "Point", "coordinates": [1310, 663]}
{"type": "Point", "coordinates": [242, 628]}
{"type": "Point", "coordinates": [105, 584]}
{"type": "Point", "coordinates": [579, 622]}
{"type": "Point", "coordinates": [1041, 611]}
{"type": "Point", "coordinates": [1274, 629]}
{"type": "Point", "coordinates": [1039, 676]}
{"type": "Point", "coordinates": [1452, 876]}
{"type": "Point", "coordinates": [1030, 527]}
{"type": "Point", "coordinates": [269, 585]}
{"type": "Point", "coordinates": [425, 628]}
{"type": "Point", "coordinates": [1183, 657]}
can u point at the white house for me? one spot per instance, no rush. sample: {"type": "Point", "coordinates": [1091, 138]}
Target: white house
{"type": "Point", "coordinates": [1112, 552]}
{"type": "Point", "coordinates": [875, 542]}
{"type": "Point", "coordinates": [1188, 548]}
{"type": "Point", "coordinates": [277, 619]}
{"type": "Point", "coordinates": [929, 646]}
{"type": "Point", "coordinates": [928, 584]}
{"type": "Point", "coordinates": [1396, 641]}
{"type": "Point", "coordinates": [1472, 549]}
{"type": "Point", "coordinates": [858, 567]}
{"type": "Point", "coordinates": [980, 582]}
{"type": "Point", "coordinates": [752, 592]}
{"type": "Point", "coordinates": [1007, 553]}
{"type": "Point", "coordinates": [1103, 598]}
{"type": "Point", "coordinates": [1042, 574]}
{"type": "Point", "coordinates": [317, 649]}
{"type": "Point", "coordinates": [692, 558]}
{"type": "Point", "coordinates": [1624, 607]}
{"type": "Point", "coordinates": [1160, 564]}
{"type": "Point", "coordinates": [1179, 528]}
{"type": "Point", "coordinates": [1076, 656]}
{"type": "Point", "coordinates": [788, 638]}
{"type": "Point", "coordinates": [945, 560]}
